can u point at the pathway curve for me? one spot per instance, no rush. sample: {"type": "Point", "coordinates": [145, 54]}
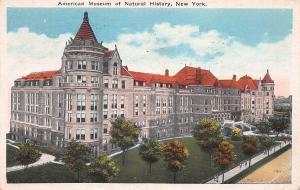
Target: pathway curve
{"type": "Point", "coordinates": [45, 158]}
{"type": "Point", "coordinates": [245, 165]}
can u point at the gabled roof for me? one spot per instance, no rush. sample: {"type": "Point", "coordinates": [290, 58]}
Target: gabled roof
{"type": "Point", "coordinates": [108, 53]}
{"type": "Point", "coordinates": [149, 78]}
{"type": "Point", "coordinates": [247, 81]}
{"type": "Point", "coordinates": [41, 75]}
{"type": "Point", "coordinates": [267, 78]}
{"type": "Point", "coordinates": [125, 72]}
{"type": "Point", "coordinates": [85, 31]}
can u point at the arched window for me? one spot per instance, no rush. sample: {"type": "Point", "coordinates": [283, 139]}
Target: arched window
{"type": "Point", "coordinates": [115, 69]}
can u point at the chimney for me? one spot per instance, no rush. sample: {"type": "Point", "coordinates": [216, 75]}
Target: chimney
{"type": "Point", "coordinates": [198, 74]}
{"type": "Point", "coordinates": [167, 72]}
{"type": "Point", "coordinates": [234, 77]}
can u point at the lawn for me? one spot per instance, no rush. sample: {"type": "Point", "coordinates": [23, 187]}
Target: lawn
{"type": "Point", "coordinates": [198, 167]}
{"type": "Point", "coordinates": [48, 173]}
{"type": "Point", "coordinates": [11, 153]}
{"type": "Point", "coordinates": [135, 170]}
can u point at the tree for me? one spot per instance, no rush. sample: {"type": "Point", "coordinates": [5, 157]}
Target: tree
{"type": "Point", "coordinates": [264, 127]}
{"type": "Point", "coordinates": [267, 143]}
{"type": "Point", "coordinates": [175, 154]}
{"type": "Point", "coordinates": [76, 156]}
{"type": "Point", "coordinates": [124, 134]}
{"type": "Point", "coordinates": [250, 146]}
{"type": "Point", "coordinates": [236, 134]}
{"type": "Point", "coordinates": [224, 156]}
{"type": "Point", "coordinates": [208, 135]}
{"type": "Point", "coordinates": [28, 153]}
{"type": "Point", "coordinates": [103, 169]}
{"type": "Point", "coordinates": [279, 124]}
{"type": "Point", "coordinates": [150, 152]}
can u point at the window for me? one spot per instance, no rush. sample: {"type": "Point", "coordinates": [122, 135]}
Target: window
{"type": "Point", "coordinates": [93, 117]}
{"type": "Point", "coordinates": [105, 114]}
{"type": "Point", "coordinates": [105, 128]}
{"type": "Point", "coordinates": [81, 79]}
{"type": "Point", "coordinates": [157, 111]}
{"type": "Point", "coordinates": [123, 84]}
{"type": "Point", "coordinates": [94, 133]}
{"type": "Point", "coordinates": [157, 101]}
{"type": "Point", "coordinates": [47, 103]}
{"type": "Point", "coordinates": [144, 111]}
{"type": "Point", "coordinates": [80, 134]}
{"type": "Point", "coordinates": [69, 64]}
{"type": "Point", "coordinates": [68, 133]}
{"type": "Point", "coordinates": [94, 102]}
{"type": "Point", "coordinates": [114, 83]}
{"type": "Point", "coordinates": [115, 69]}
{"type": "Point", "coordinates": [81, 64]}
{"type": "Point", "coordinates": [122, 114]}
{"type": "Point", "coordinates": [114, 102]}
{"type": "Point", "coordinates": [80, 117]}
{"type": "Point", "coordinates": [69, 117]}
{"type": "Point", "coordinates": [170, 101]}
{"type": "Point", "coordinates": [105, 83]}
{"type": "Point", "coordinates": [136, 111]}
{"type": "Point", "coordinates": [136, 101]}
{"type": "Point", "coordinates": [95, 65]}
{"type": "Point", "coordinates": [69, 102]}
{"type": "Point", "coordinates": [105, 101]}
{"type": "Point", "coordinates": [114, 114]}
{"type": "Point", "coordinates": [144, 101]}
{"type": "Point", "coordinates": [122, 102]}
{"type": "Point", "coordinates": [94, 79]}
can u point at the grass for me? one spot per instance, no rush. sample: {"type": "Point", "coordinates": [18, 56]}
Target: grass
{"type": "Point", "coordinates": [11, 155]}
{"type": "Point", "coordinates": [197, 169]}
{"type": "Point", "coordinates": [48, 173]}
{"type": "Point", "coordinates": [135, 170]}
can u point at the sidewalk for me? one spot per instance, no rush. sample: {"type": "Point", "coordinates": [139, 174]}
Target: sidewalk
{"type": "Point", "coordinates": [45, 158]}
{"type": "Point", "coordinates": [245, 165]}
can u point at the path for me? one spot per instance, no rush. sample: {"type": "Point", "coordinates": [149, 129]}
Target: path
{"type": "Point", "coordinates": [238, 169]}
{"type": "Point", "coordinates": [276, 171]}
{"type": "Point", "coordinates": [45, 158]}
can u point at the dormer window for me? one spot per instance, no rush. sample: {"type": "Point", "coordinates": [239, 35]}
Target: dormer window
{"type": "Point", "coordinates": [115, 69]}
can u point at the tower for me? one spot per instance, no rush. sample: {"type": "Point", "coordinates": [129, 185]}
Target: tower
{"type": "Point", "coordinates": [82, 71]}
{"type": "Point", "coordinates": [268, 95]}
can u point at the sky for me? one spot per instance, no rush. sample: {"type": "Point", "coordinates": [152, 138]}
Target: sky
{"type": "Point", "coordinates": [225, 41]}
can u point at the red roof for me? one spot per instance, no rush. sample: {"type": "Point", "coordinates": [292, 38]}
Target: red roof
{"type": "Point", "coordinates": [125, 72]}
{"type": "Point", "coordinates": [41, 75]}
{"type": "Point", "coordinates": [152, 78]}
{"type": "Point", "coordinates": [108, 53]}
{"type": "Point", "coordinates": [229, 84]}
{"type": "Point", "coordinates": [85, 31]}
{"type": "Point", "coordinates": [267, 78]}
{"type": "Point", "coordinates": [247, 81]}
{"type": "Point", "coordinates": [195, 76]}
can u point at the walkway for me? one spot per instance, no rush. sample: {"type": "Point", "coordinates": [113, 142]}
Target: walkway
{"type": "Point", "coordinates": [245, 165]}
{"type": "Point", "coordinates": [45, 158]}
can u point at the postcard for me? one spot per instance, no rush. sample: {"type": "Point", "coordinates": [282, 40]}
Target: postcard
{"type": "Point", "coordinates": [149, 94]}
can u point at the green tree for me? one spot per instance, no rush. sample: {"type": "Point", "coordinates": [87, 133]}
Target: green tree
{"type": "Point", "coordinates": [236, 134]}
{"type": "Point", "coordinates": [124, 134]}
{"type": "Point", "coordinates": [175, 154]}
{"type": "Point", "coordinates": [224, 156]}
{"type": "Point", "coordinates": [103, 169]}
{"type": "Point", "coordinates": [264, 127]}
{"type": "Point", "coordinates": [250, 146]}
{"type": "Point", "coordinates": [266, 142]}
{"type": "Point", "coordinates": [279, 124]}
{"type": "Point", "coordinates": [150, 151]}
{"type": "Point", "coordinates": [208, 135]}
{"type": "Point", "coordinates": [76, 155]}
{"type": "Point", "coordinates": [27, 154]}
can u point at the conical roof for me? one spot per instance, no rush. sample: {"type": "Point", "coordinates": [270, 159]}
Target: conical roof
{"type": "Point", "coordinates": [85, 31]}
{"type": "Point", "coordinates": [267, 78]}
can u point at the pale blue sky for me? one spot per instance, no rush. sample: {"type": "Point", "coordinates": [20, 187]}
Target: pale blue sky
{"type": "Point", "coordinates": [249, 26]}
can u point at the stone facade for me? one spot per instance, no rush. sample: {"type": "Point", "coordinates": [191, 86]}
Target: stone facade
{"type": "Point", "coordinates": [93, 87]}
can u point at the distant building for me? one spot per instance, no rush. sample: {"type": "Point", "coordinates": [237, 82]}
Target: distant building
{"type": "Point", "coordinates": [93, 87]}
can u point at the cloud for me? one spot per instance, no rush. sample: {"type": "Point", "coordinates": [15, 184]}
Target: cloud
{"type": "Point", "coordinates": [223, 55]}
{"type": "Point", "coordinates": [29, 52]}
{"type": "Point", "coordinates": [143, 51]}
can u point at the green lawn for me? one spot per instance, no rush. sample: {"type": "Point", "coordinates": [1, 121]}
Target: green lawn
{"type": "Point", "coordinates": [135, 170]}
{"type": "Point", "coordinates": [48, 173]}
{"type": "Point", "coordinates": [11, 153]}
{"type": "Point", "coordinates": [197, 166]}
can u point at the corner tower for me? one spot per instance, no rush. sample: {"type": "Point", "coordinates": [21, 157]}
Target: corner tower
{"type": "Point", "coordinates": [82, 71]}
{"type": "Point", "coordinates": [268, 95]}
